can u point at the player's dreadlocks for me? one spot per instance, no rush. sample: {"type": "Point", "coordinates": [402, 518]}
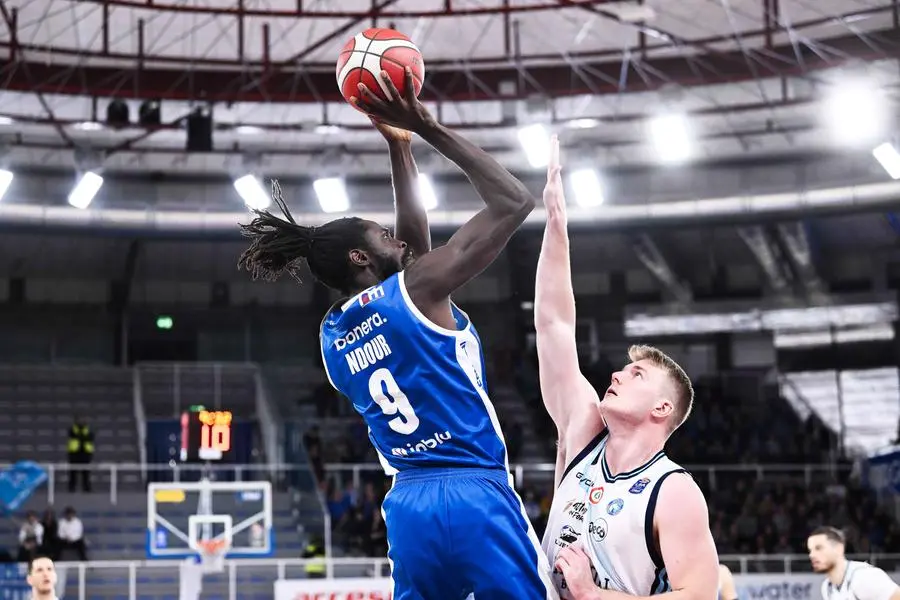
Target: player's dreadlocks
{"type": "Point", "coordinates": [279, 246]}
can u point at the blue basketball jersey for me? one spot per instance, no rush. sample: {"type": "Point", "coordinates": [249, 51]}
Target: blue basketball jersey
{"type": "Point", "coordinates": [419, 387]}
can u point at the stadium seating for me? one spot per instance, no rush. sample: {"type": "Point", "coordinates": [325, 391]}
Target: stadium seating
{"type": "Point", "coordinates": [39, 403]}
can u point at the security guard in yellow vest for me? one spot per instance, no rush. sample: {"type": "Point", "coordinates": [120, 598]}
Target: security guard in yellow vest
{"type": "Point", "coordinates": [315, 554]}
{"type": "Point", "coordinates": [81, 452]}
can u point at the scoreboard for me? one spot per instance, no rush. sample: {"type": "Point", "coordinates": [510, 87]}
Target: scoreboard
{"type": "Point", "coordinates": [205, 434]}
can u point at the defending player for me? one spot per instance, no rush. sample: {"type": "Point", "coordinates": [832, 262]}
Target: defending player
{"type": "Point", "coordinates": [411, 363]}
{"type": "Point", "coordinates": [625, 520]}
{"type": "Point", "coordinates": [42, 578]}
{"type": "Point", "coordinates": [846, 579]}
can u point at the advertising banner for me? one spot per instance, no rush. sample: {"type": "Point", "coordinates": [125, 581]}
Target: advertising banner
{"type": "Point", "coordinates": [368, 588]}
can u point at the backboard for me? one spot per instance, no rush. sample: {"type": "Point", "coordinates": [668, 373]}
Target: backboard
{"type": "Point", "coordinates": [180, 516]}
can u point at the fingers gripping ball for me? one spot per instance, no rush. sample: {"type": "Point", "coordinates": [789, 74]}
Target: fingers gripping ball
{"type": "Point", "coordinates": [375, 50]}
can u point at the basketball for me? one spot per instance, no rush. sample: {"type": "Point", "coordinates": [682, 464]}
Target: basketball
{"type": "Point", "coordinates": [375, 50]}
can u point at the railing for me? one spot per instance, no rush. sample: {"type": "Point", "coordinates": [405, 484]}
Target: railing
{"type": "Point", "coordinates": [162, 472]}
{"type": "Point", "coordinates": [140, 418]}
{"type": "Point", "coordinates": [542, 471]}
{"type": "Point", "coordinates": [268, 427]}
{"type": "Point", "coordinates": [522, 473]}
{"type": "Point", "coordinates": [378, 567]}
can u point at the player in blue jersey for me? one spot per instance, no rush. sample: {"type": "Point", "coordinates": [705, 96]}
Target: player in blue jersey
{"type": "Point", "coordinates": [411, 363]}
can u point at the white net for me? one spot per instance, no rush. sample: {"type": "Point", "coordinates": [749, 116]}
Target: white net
{"type": "Point", "coordinates": [212, 555]}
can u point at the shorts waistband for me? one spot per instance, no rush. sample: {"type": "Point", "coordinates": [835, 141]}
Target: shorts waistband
{"type": "Point", "coordinates": [420, 474]}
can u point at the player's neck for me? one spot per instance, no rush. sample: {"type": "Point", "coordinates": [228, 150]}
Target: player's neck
{"type": "Point", "coordinates": [837, 572]}
{"type": "Point", "coordinates": [625, 453]}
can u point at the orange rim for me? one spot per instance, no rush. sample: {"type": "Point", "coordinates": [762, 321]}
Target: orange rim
{"type": "Point", "coordinates": [211, 547]}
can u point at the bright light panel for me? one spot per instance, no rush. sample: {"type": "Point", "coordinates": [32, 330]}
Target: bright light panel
{"type": "Point", "coordinates": [855, 110]}
{"type": "Point", "coordinates": [536, 143]}
{"type": "Point", "coordinates": [426, 192]}
{"type": "Point", "coordinates": [6, 178]}
{"type": "Point", "coordinates": [888, 157]}
{"type": "Point", "coordinates": [669, 134]}
{"type": "Point", "coordinates": [252, 192]}
{"type": "Point", "coordinates": [332, 194]}
{"type": "Point", "coordinates": [84, 191]}
{"type": "Point", "coordinates": [585, 184]}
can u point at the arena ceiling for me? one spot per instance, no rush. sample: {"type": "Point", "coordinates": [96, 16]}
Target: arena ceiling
{"type": "Point", "coordinates": [748, 73]}
{"type": "Point", "coordinates": [750, 76]}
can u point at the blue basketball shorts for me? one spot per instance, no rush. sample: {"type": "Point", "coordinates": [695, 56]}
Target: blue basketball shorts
{"type": "Point", "coordinates": [460, 533]}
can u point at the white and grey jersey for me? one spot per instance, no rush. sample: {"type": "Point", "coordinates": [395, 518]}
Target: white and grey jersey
{"type": "Point", "coordinates": [861, 581]}
{"type": "Point", "coordinates": [612, 518]}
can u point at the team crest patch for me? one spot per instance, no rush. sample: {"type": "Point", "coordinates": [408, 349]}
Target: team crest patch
{"type": "Point", "coordinates": [614, 507]}
{"type": "Point", "coordinates": [596, 495]}
{"type": "Point", "coordinates": [639, 486]}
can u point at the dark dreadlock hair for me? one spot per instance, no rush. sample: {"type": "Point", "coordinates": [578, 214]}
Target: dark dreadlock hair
{"type": "Point", "coordinates": [279, 246]}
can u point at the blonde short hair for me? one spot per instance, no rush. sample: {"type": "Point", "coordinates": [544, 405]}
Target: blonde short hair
{"type": "Point", "coordinates": [684, 391]}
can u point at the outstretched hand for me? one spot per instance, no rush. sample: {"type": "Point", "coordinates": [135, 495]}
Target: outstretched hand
{"type": "Point", "coordinates": [402, 111]}
{"type": "Point", "coordinates": [390, 133]}
{"type": "Point", "coordinates": [554, 194]}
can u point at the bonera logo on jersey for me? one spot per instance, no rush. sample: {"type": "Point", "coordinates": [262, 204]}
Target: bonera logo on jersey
{"type": "Point", "coordinates": [597, 530]}
{"type": "Point", "coordinates": [424, 445]}
{"type": "Point", "coordinates": [360, 332]}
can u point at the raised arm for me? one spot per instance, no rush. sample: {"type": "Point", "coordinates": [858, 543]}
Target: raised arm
{"type": "Point", "coordinates": [411, 219]}
{"type": "Point", "coordinates": [569, 398]}
{"type": "Point", "coordinates": [477, 243]}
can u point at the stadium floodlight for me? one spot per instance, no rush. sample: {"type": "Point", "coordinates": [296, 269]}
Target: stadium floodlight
{"type": "Point", "coordinates": [669, 134]}
{"type": "Point", "coordinates": [6, 178]}
{"type": "Point", "coordinates": [251, 191]}
{"type": "Point", "coordinates": [855, 111]}
{"type": "Point", "coordinates": [84, 191]}
{"type": "Point", "coordinates": [332, 194]}
{"type": "Point", "coordinates": [586, 187]}
{"type": "Point", "coordinates": [888, 157]}
{"type": "Point", "coordinates": [535, 142]}
{"type": "Point", "coordinates": [427, 193]}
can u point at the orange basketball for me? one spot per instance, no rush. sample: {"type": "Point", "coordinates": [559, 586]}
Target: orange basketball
{"type": "Point", "coordinates": [375, 50]}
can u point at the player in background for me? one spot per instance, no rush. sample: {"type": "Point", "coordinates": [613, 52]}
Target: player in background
{"type": "Point", "coordinates": [846, 579]}
{"type": "Point", "coordinates": [411, 363]}
{"type": "Point", "coordinates": [625, 520]}
{"type": "Point", "coordinates": [42, 578]}
{"type": "Point", "coordinates": [727, 588]}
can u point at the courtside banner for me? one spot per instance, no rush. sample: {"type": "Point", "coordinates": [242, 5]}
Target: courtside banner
{"type": "Point", "coordinates": [369, 588]}
{"type": "Point", "coordinates": [788, 586]}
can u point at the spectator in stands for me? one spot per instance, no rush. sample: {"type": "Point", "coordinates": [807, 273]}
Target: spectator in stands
{"type": "Point", "coordinates": [313, 443]}
{"type": "Point", "coordinates": [315, 554]}
{"type": "Point", "coordinates": [50, 547]}
{"type": "Point", "coordinates": [81, 452]}
{"type": "Point", "coordinates": [31, 536]}
{"type": "Point", "coordinates": [71, 534]}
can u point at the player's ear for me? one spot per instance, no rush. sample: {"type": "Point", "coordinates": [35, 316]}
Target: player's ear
{"type": "Point", "coordinates": [664, 407]}
{"type": "Point", "coordinates": [359, 258]}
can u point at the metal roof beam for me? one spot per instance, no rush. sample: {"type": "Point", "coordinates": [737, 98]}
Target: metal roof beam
{"type": "Point", "coordinates": [597, 73]}
{"type": "Point", "coordinates": [650, 256]}
{"type": "Point", "coordinates": [796, 242]}
{"type": "Point", "coordinates": [769, 258]}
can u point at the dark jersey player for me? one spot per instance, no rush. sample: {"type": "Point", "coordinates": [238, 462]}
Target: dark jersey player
{"type": "Point", "coordinates": [411, 363]}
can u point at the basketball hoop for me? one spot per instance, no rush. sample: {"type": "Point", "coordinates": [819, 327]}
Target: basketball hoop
{"type": "Point", "coordinates": [212, 554]}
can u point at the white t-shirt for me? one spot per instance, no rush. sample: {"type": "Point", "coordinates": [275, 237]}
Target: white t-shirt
{"type": "Point", "coordinates": [71, 530]}
{"type": "Point", "coordinates": [861, 581]}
